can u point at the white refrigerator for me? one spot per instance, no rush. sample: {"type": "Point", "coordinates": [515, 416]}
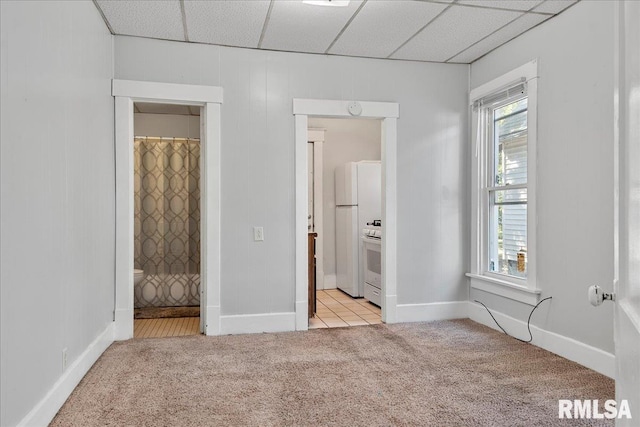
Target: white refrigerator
{"type": "Point", "coordinates": [358, 201]}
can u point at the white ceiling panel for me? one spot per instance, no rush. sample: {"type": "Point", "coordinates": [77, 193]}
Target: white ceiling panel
{"type": "Point", "coordinates": [162, 20]}
{"type": "Point", "coordinates": [301, 27]}
{"type": "Point", "coordinates": [500, 37]}
{"type": "Point", "coordinates": [554, 6]}
{"type": "Point", "coordinates": [382, 26]}
{"type": "Point", "coordinates": [453, 31]}
{"type": "Point", "coordinates": [425, 30]}
{"type": "Point", "coordinates": [504, 4]}
{"type": "Point", "coordinates": [232, 23]}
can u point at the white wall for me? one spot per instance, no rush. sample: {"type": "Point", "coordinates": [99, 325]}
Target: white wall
{"type": "Point", "coordinates": [57, 180]}
{"type": "Point", "coordinates": [167, 125]}
{"type": "Point", "coordinates": [575, 167]}
{"type": "Point", "coordinates": [345, 140]}
{"type": "Point", "coordinates": [258, 159]}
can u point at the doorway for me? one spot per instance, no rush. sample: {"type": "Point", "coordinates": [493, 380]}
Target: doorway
{"type": "Point", "coordinates": [208, 100]}
{"type": "Point", "coordinates": [387, 113]}
{"type": "Point", "coordinates": [344, 153]}
{"type": "Point", "coordinates": [166, 220]}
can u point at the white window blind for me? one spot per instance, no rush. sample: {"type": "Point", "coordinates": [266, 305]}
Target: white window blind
{"type": "Point", "coordinates": [514, 89]}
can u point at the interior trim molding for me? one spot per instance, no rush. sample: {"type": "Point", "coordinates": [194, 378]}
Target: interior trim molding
{"type": "Point", "coordinates": [388, 112]}
{"type": "Point", "coordinates": [257, 323]}
{"type": "Point", "coordinates": [174, 93]}
{"type": "Point", "coordinates": [340, 108]}
{"type": "Point", "coordinates": [576, 351]}
{"type": "Point", "coordinates": [429, 312]}
{"type": "Point", "coordinates": [504, 289]}
{"type": "Point", "coordinates": [208, 99]}
{"type": "Point", "coordinates": [123, 324]}
{"type": "Point", "coordinates": [45, 410]}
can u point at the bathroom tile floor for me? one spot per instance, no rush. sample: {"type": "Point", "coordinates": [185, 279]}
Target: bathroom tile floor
{"type": "Point", "coordinates": [335, 309]}
{"type": "Point", "coordinates": [166, 327]}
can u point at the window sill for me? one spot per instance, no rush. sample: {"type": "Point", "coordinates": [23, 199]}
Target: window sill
{"type": "Point", "coordinates": [504, 288]}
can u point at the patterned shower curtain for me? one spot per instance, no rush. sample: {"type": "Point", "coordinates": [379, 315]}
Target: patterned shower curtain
{"type": "Point", "coordinates": [167, 221]}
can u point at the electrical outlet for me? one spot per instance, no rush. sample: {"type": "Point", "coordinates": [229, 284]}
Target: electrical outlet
{"type": "Point", "coordinates": [64, 358]}
{"type": "Point", "coordinates": [258, 234]}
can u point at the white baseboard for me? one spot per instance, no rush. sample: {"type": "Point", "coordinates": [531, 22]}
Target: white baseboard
{"type": "Point", "coordinates": [319, 278]}
{"type": "Point", "coordinates": [212, 320]}
{"type": "Point", "coordinates": [389, 314]}
{"type": "Point", "coordinates": [330, 281]}
{"type": "Point", "coordinates": [302, 315]}
{"type": "Point", "coordinates": [48, 407]}
{"type": "Point", "coordinates": [586, 355]}
{"type": "Point", "coordinates": [257, 323]}
{"type": "Point", "coordinates": [123, 328]}
{"type": "Point", "coordinates": [431, 311]}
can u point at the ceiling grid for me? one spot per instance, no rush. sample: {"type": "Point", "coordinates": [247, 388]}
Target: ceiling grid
{"type": "Point", "coordinates": [454, 31]}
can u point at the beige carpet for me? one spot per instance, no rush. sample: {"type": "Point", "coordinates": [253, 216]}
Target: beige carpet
{"type": "Point", "coordinates": [450, 373]}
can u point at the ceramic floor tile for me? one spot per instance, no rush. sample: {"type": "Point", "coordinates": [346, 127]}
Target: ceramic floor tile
{"type": "Point", "coordinates": [337, 309]}
{"type": "Point", "coordinates": [333, 324]}
{"type": "Point", "coordinates": [351, 316]}
{"type": "Point", "coordinates": [328, 315]}
{"type": "Point", "coordinates": [332, 303]}
{"type": "Point", "coordinates": [359, 322]}
{"type": "Point", "coordinates": [315, 323]}
{"type": "Point", "coordinates": [367, 315]}
{"type": "Point", "coordinates": [351, 304]}
{"type": "Point", "coordinates": [362, 311]}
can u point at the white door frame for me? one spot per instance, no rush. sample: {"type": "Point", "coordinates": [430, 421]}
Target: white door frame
{"type": "Point", "coordinates": [626, 284]}
{"type": "Point", "coordinates": [388, 112]}
{"type": "Point", "coordinates": [316, 137]}
{"type": "Point", "coordinates": [209, 98]}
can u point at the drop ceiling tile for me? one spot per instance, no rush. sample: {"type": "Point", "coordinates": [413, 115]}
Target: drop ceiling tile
{"type": "Point", "coordinates": [504, 4]}
{"type": "Point", "coordinates": [156, 19]}
{"type": "Point", "coordinates": [500, 37]}
{"type": "Point", "coordinates": [231, 23]}
{"type": "Point", "coordinates": [554, 6]}
{"type": "Point", "coordinates": [453, 31]}
{"type": "Point", "coordinates": [382, 26]}
{"type": "Point", "coordinates": [301, 27]}
{"type": "Point", "coordinates": [522, 5]}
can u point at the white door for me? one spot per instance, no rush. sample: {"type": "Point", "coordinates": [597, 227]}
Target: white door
{"type": "Point", "coordinates": [627, 274]}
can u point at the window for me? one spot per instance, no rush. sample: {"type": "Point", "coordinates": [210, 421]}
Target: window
{"type": "Point", "coordinates": [507, 187]}
{"type": "Point", "coordinates": [504, 136]}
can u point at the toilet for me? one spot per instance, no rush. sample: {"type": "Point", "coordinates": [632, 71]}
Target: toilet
{"type": "Point", "coordinates": [138, 275]}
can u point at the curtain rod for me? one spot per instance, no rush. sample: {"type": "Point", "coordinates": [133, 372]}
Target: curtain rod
{"type": "Point", "coordinates": [166, 138]}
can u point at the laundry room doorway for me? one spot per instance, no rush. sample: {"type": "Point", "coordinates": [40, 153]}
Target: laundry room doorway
{"type": "Point", "coordinates": [382, 115]}
{"type": "Point", "coordinates": [345, 198]}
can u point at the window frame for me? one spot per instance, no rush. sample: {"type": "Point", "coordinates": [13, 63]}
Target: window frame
{"type": "Point", "coordinates": [512, 287]}
{"type": "Point", "coordinates": [491, 188]}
